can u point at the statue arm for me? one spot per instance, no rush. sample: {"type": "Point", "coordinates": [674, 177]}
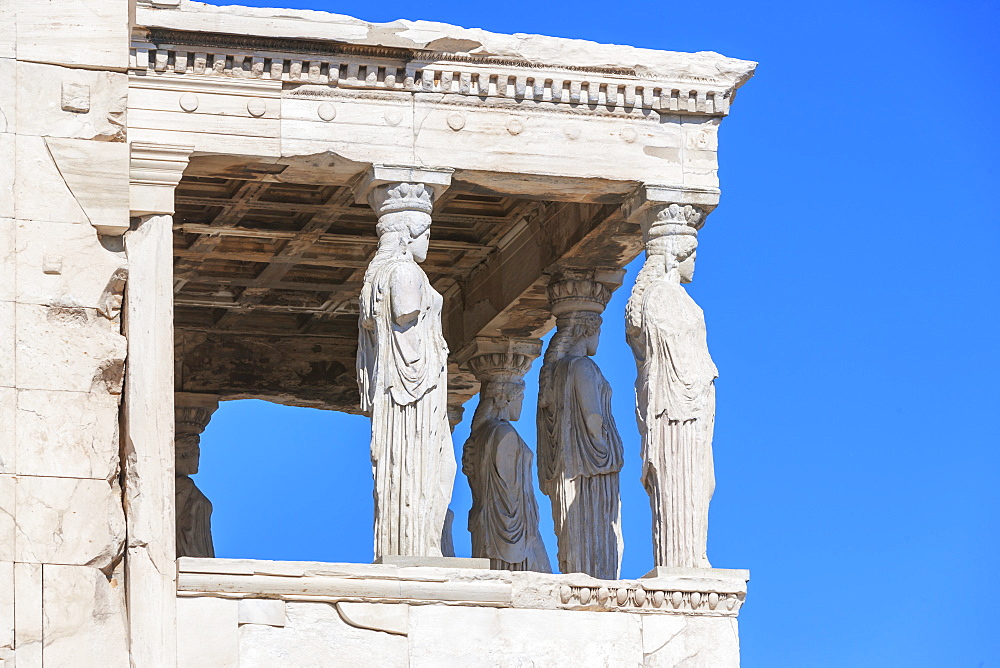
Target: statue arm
{"type": "Point", "coordinates": [586, 384]}
{"type": "Point", "coordinates": [406, 294]}
{"type": "Point", "coordinates": [507, 451]}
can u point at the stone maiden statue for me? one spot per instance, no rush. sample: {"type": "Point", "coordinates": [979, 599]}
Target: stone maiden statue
{"type": "Point", "coordinates": [675, 389]}
{"type": "Point", "coordinates": [402, 367]}
{"type": "Point", "coordinates": [504, 515]}
{"type": "Point", "coordinates": [579, 449]}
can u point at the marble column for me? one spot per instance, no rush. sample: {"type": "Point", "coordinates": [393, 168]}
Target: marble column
{"type": "Point", "coordinates": [504, 515]}
{"type": "Point", "coordinates": [675, 384]}
{"type": "Point", "coordinates": [579, 448]}
{"type": "Point", "coordinates": [402, 367]}
{"type": "Point", "coordinates": [193, 509]}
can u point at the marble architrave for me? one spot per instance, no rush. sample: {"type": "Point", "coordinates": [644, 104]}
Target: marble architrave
{"type": "Point", "coordinates": [402, 373]}
{"type": "Point", "coordinates": [503, 519]}
{"type": "Point", "coordinates": [675, 387]}
{"type": "Point", "coordinates": [193, 509]}
{"type": "Point", "coordinates": [579, 449]}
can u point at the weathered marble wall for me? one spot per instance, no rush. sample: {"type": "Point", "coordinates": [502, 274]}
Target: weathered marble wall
{"type": "Point", "coordinates": [63, 209]}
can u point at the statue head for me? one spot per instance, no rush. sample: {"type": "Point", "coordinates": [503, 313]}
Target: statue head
{"type": "Point", "coordinates": [673, 233]}
{"type": "Point", "coordinates": [505, 397]}
{"type": "Point", "coordinates": [187, 453]}
{"type": "Point", "coordinates": [404, 217]}
{"type": "Point", "coordinates": [578, 332]}
{"type": "Point", "coordinates": [407, 232]}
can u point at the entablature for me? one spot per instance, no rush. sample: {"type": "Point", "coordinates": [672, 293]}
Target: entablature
{"type": "Point", "coordinates": [600, 90]}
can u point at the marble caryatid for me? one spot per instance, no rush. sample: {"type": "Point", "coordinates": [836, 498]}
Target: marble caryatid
{"type": "Point", "coordinates": [675, 388]}
{"type": "Point", "coordinates": [402, 375]}
{"type": "Point", "coordinates": [579, 449]}
{"type": "Point", "coordinates": [193, 509]}
{"type": "Point", "coordinates": [504, 515]}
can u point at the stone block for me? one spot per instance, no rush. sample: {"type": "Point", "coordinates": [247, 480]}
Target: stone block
{"type": "Point", "coordinates": [40, 192]}
{"type": "Point", "coordinates": [8, 502]}
{"type": "Point", "coordinates": [698, 642]}
{"type": "Point", "coordinates": [8, 101]}
{"type": "Point", "coordinates": [7, 273]}
{"type": "Point", "coordinates": [28, 615]}
{"type": "Point", "coordinates": [406, 561]}
{"type": "Point", "coordinates": [269, 612]}
{"type": "Point", "coordinates": [7, 157]}
{"type": "Point", "coordinates": [208, 633]}
{"type": "Point", "coordinates": [65, 347]}
{"type": "Point", "coordinates": [701, 168]}
{"type": "Point", "coordinates": [226, 115]}
{"type": "Point", "coordinates": [6, 609]}
{"type": "Point", "coordinates": [57, 101]}
{"type": "Point", "coordinates": [701, 134]}
{"type": "Point", "coordinates": [315, 636]}
{"type": "Point", "coordinates": [384, 126]}
{"type": "Point", "coordinates": [7, 338]}
{"type": "Point", "coordinates": [66, 263]}
{"type": "Point", "coordinates": [74, 32]}
{"type": "Point", "coordinates": [441, 635]}
{"type": "Point", "coordinates": [84, 618]}
{"type": "Point", "coordinates": [72, 181]}
{"type": "Point", "coordinates": [8, 409]}
{"type": "Point", "coordinates": [388, 617]}
{"type": "Point", "coordinates": [67, 434]}
{"type": "Point", "coordinates": [8, 36]}
{"type": "Point", "coordinates": [68, 521]}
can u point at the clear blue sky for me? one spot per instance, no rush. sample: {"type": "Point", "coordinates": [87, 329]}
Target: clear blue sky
{"type": "Point", "coordinates": [850, 283]}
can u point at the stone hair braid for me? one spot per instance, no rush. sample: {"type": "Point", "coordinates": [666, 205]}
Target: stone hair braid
{"type": "Point", "coordinates": [570, 329]}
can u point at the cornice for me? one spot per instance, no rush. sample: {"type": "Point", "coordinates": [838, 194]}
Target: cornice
{"type": "Point", "coordinates": [374, 69]}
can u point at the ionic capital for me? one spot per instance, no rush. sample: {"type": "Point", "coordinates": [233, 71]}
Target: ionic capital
{"type": "Point", "coordinates": [154, 172]}
{"type": "Point", "coordinates": [391, 188]}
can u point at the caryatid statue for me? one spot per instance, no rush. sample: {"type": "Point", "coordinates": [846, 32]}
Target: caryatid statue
{"type": "Point", "coordinates": [504, 515]}
{"type": "Point", "coordinates": [402, 374]}
{"type": "Point", "coordinates": [579, 449]}
{"type": "Point", "coordinates": [193, 509]}
{"type": "Point", "coordinates": [674, 388]}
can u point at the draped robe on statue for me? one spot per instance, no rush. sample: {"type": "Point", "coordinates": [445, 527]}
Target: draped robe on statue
{"type": "Point", "coordinates": [579, 470]}
{"type": "Point", "coordinates": [675, 389]}
{"type": "Point", "coordinates": [504, 515]}
{"type": "Point", "coordinates": [402, 375]}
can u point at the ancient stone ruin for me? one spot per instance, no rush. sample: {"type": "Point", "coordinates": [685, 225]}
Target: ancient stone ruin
{"type": "Point", "coordinates": [201, 204]}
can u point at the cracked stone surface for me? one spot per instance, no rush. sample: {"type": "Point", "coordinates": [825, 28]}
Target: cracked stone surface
{"type": "Point", "coordinates": [68, 521]}
{"type": "Point", "coordinates": [315, 636]}
{"type": "Point", "coordinates": [675, 641]}
{"type": "Point", "coordinates": [83, 617]}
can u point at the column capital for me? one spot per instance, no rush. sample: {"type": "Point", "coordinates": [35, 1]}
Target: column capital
{"type": "Point", "coordinates": [485, 355]}
{"type": "Point", "coordinates": [648, 201]}
{"type": "Point", "coordinates": [379, 187]}
{"type": "Point", "coordinates": [154, 172]}
{"type": "Point", "coordinates": [192, 413]}
{"type": "Point", "coordinates": [572, 290]}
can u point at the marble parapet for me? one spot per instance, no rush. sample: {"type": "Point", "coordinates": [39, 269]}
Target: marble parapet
{"type": "Point", "coordinates": [245, 613]}
{"type": "Point", "coordinates": [710, 592]}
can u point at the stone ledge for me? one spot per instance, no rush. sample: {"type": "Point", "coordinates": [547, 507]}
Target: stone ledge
{"type": "Point", "coordinates": [688, 591]}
